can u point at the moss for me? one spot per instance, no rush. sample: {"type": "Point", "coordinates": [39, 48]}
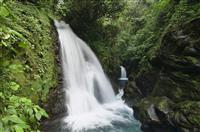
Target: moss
{"type": "Point", "coordinates": [38, 71]}
{"type": "Point", "coordinates": [191, 112]}
{"type": "Point", "coordinates": [162, 104]}
{"type": "Point", "coordinates": [192, 60]}
{"type": "Point", "coordinates": [27, 60]}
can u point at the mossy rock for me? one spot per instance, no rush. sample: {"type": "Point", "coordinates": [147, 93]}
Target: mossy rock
{"type": "Point", "coordinates": [153, 113]}
{"type": "Point", "coordinates": [187, 115]}
{"type": "Point", "coordinates": [162, 104]}
{"type": "Point", "coordinates": [177, 78]}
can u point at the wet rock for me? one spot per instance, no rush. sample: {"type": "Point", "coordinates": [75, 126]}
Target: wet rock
{"type": "Point", "coordinates": [153, 113]}
{"type": "Point", "coordinates": [56, 103]}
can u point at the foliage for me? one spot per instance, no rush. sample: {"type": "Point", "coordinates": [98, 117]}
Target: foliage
{"type": "Point", "coordinates": [119, 31]}
{"type": "Point", "coordinates": [27, 65]}
{"type": "Point", "coordinates": [20, 114]}
{"type": "Point", "coordinates": [135, 32]}
{"type": "Point", "coordinates": [90, 19]}
{"type": "Point", "coordinates": [157, 18]}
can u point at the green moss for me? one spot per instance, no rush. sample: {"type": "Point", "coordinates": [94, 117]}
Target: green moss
{"type": "Point", "coordinates": [27, 56]}
{"type": "Point", "coordinates": [192, 60]}
{"type": "Point", "coordinates": [191, 112]}
{"type": "Point", "coordinates": [37, 60]}
{"type": "Point", "coordinates": [163, 104]}
{"type": "Point", "coordinates": [160, 18]}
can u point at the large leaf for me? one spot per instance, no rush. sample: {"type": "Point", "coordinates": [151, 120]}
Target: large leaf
{"type": "Point", "coordinates": [38, 116]}
{"type": "Point", "coordinates": [43, 113]}
{"type": "Point", "coordinates": [3, 11]}
{"type": "Point", "coordinates": [30, 111]}
{"type": "Point", "coordinates": [18, 128]}
{"type": "Point", "coordinates": [16, 119]}
{"type": "Point", "coordinates": [23, 126]}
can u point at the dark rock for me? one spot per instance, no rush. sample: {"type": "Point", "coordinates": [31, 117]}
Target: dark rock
{"type": "Point", "coordinates": [191, 51]}
{"type": "Point", "coordinates": [186, 115]}
{"type": "Point", "coordinates": [132, 94]}
{"type": "Point", "coordinates": [146, 81]}
{"type": "Point", "coordinates": [56, 103]}
{"type": "Point", "coordinates": [154, 114]}
{"type": "Point", "coordinates": [171, 86]}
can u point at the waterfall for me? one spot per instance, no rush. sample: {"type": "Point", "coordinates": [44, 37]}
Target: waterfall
{"type": "Point", "coordinates": [89, 97]}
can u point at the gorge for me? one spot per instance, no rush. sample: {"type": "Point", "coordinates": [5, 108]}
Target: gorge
{"type": "Point", "coordinates": [51, 80]}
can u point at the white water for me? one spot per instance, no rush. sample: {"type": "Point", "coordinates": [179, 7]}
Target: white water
{"type": "Point", "coordinates": [123, 73]}
{"type": "Point", "coordinates": [90, 100]}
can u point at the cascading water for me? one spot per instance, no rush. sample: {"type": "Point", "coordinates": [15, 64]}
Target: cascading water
{"type": "Point", "coordinates": [90, 100]}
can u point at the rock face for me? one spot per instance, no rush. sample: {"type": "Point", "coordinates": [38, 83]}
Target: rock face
{"type": "Point", "coordinates": [169, 91]}
{"type": "Point", "coordinates": [55, 106]}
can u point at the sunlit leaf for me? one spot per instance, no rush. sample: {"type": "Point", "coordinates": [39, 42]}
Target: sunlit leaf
{"type": "Point", "coordinates": [18, 128]}
{"type": "Point", "coordinates": [16, 119]}
{"type": "Point", "coordinates": [14, 86]}
{"type": "Point", "coordinates": [43, 113]}
{"type": "Point", "coordinates": [38, 116]}
{"type": "Point", "coordinates": [3, 11]}
{"type": "Point", "coordinates": [7, 36]}
{"type": "Point", "coordinates": [23, 44]}
{"type": "Point", "coordinates": [30, 111]}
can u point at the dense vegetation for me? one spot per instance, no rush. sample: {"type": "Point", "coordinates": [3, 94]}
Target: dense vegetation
{"type": "Point", "coordinates": [27, 64]}
{"type": "Point", "coordinates": [156, 40]}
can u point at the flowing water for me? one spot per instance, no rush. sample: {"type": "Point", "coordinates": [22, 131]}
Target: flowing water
{"type": "Point", "coordinates": [90, 100]}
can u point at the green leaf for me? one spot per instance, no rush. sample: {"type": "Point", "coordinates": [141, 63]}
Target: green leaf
{"type": "Point", "coordinates": [32, 118]}
{"type": "Point", "coordinates": [25, 100]}
{"type": "Point", "coordinates": [4, 43]}
{"type": "Point", "coordinates": [14, 86]}
{"type": "Point", "coordinates": [38, 116]}
{"type": "Point", "coordinates": [3, 11]}
{"type": "Point", "coordinates": [16, 119]}
{"type": "Point", "coordinates": [2, 129]}
{"type": "Point", "coordinates": [16, 33]}
{"type": "Point", "coordinates": [14, 98]}
{"type": "Point", "coordinates": [16, 68]}
{"type": "Point", "coordinates": [18, 128]}
{"type": "Point", "coordinates": [30, 111]}
{"type": "Point", "coordinates": [6, 36]}
{"type": "Point", "coordinates": [1, 95]}
{"type": "Point", "coordinates": [1, 125]}
{"type": "Point", "coordinates": [23, 126]}
{"type": "Point", "coordinates": [12, 110]}
{"type": "Point", "coordinates": [23, 45]}
{"type": "Point", "coordinates": [43, 113]}
{"type": "Point", "coordinates": [35, 109]}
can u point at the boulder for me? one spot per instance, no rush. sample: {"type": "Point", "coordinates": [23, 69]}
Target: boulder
{"type": "Point", "coordinates": [153, 113]}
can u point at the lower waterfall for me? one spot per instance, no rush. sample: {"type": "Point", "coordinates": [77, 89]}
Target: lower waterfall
{"type": "Point", "coordinates": [89, 97]}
